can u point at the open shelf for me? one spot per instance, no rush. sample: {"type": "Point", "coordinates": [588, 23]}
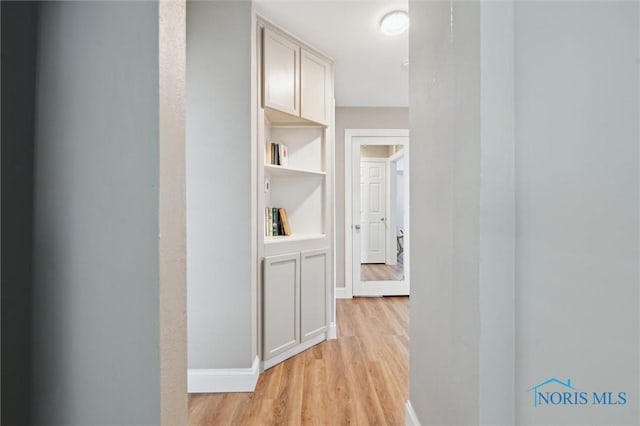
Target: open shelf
{"type": "Point", "coordinates": [293, 237]}
{"type": "Point", "coordinates": [279, 118]}
{"type": "Point", "coordinates": [274, 170]}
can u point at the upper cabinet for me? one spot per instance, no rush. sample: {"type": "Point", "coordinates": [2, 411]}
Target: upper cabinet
{"type": "Point", "coordinates": [296, 81]}
{"type": "Point", "coordinates": [281, 73]}
{"type": "Point", "coordinates": [314, 74]}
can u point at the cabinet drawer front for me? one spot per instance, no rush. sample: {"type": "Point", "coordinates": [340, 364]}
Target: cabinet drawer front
{"type": "Point", "coordinates": [314, 292]}
{"type": "Point", "coordinates": [281, 65]}
{"type": "Point", "coordinates": [281, 310]}
{"type": "Point", "coordinates": [314, 84]}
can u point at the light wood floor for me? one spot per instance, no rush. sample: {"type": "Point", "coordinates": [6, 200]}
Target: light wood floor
{"type": "Point", "coordinates": [381, 272]}
{"type": "Point", "coordinates": [361, 378]}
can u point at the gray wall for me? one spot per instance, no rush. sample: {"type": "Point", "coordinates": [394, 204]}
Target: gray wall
{"type": "Point", "coordinates": [95, 343]}
{"type": "Point", "coordinates": [445, 185]}
{"type": "Point", "coordinates": [357, 118]}
{"type": "Point", "coordinates": [550, 255]}
{"type": "Point", "coordinates": [19, 25]}
{"type": "Point", "coordinates": [497, 214]}
{"type": "Point", "coordinates": [577, 205]}
{"type": "Point", "coordinates": [219, 184]}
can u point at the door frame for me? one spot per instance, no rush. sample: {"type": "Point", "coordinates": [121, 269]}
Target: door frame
{"type": "Point", "coordinates": [377, 136]}
{"type": "Point", "coordinates": [392, 175]}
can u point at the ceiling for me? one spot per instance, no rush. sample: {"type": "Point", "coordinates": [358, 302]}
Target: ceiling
{"type": "Point", "coordinates": [368, 65]}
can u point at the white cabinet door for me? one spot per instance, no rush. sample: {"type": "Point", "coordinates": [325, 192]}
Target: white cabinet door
{"type": "Point", "coordinates": [314, 82]}
{"type": "Point", "coordinates": [372, 211]}
{"type": "Point", "coordinates": [281, 64]}
{"type": "Point", "coordinates": [313, 293]}
{"type": "Point", "coordinates": [281, 307]}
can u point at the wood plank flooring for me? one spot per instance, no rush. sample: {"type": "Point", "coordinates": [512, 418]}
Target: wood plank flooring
{"type": "Point", "coordinates": [381, 272]}
{"type": "Point", "coordinates": [361, 378]}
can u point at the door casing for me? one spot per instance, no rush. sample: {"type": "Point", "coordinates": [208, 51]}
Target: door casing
{"type": "Point", "coordinates": [354, 138]}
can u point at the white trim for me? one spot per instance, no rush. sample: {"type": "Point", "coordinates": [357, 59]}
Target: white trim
{"type": "Point", "coordinates": [334, 231]}
{"type": "Point", "coordinates": [392, 178]}
{"type": "Point", "coordinates": [378, 134]}
{"type": "Point", "coordinates": [266, 364]}
{"type": "Point", "coordinates": [343, 293]}
{"type": "Point", "coordinates": [410, 416]}
{"type": "Point", "coordinates": [333, 331]}
{"type": "Point", "coordinates": [391, 251]}
{"type": "Point", "coordinates": [223, 379]}
{"type": "Point", "coordinates": [397, 155]}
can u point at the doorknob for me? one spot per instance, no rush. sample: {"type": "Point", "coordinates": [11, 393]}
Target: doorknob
{"type": "Point", "coordinates": [382, 219]}
{"type": "Point", "coordinates": [357, 226]}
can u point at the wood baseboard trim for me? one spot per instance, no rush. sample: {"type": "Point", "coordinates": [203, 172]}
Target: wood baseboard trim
{"type": "Point", "coordinates": [410, 416]}
{"type": "Point", "coordinates": [223, 379]}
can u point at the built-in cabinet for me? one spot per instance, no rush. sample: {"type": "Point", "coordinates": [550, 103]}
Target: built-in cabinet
{"type": "Point", "coordinates": [281, 71]}
{"type": "Point", "coordinates": [294, 304]}
{"type": "Point", "coordinates": [314, 288]}
{"type": "Point", "coordinates": [295, 109]}
{"type": "Point", "coordinates": [297, 81]}
{"type": "Point", "coordinates": [314, 82]}
{"type": "Point", "coordinates": [281, 303]}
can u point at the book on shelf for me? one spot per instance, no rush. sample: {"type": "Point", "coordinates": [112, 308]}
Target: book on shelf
{"type": "Point", "coordinates": [268, 226]}
{"type": "Point", "coordinates": [285, 222]}
{"type": "Point", "coordinates": [276, 222]}
{"type": "Point", "coordinates": [277, 154]}
{"type": "Point", "coordinates": [283, 156]}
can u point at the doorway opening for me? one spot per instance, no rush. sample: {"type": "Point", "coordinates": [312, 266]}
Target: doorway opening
{"type": "Point", "coordinates": [377, 212]}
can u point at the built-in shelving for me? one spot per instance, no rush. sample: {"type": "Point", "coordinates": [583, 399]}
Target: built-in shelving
{"type": "Point", "coordinates": [274, 170]}
{"type": "Point", "coordinates": [295, 116]}
{"type": "Point", "coordinates": [280, 118]}
{"type": "Point", "coordinates": [293, 237]}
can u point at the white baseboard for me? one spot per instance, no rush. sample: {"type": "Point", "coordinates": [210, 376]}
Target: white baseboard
{"type": "Point", "coordinates": [342, 293]}
{"type": "Point", "coordinates": [410, 417]}
{"type": "Point", "coordinates": [333, 331]}
{"type": "Point", "coordinates": [223, 379]}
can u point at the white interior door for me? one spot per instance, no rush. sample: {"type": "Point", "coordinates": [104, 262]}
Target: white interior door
{"type": "Point", "coordinates": [373, 211]}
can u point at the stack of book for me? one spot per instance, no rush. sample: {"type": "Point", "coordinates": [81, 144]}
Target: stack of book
{"type": "Point", "coordinates": [277, 154]}
{"type": "Point", "coordinates": [276, 222]}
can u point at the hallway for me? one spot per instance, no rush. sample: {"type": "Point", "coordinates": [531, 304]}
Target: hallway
{"type": "Point", "coordinates": [360, 378]}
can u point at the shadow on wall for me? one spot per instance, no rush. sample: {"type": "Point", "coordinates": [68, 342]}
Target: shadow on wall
{"type": "Point", "coordinates": [18, 108]}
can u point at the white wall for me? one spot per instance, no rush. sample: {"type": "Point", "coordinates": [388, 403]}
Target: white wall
{"type": "Point", "coordinates": [219, 170]}
{"type": "Point", "coordinates": [96, 322]}
{"type": "Point", "coordinates": [357, 118]}
{"type": "Point", "coordinates": [577, 205]}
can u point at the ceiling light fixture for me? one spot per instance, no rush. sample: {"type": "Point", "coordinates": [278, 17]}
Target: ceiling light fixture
{"type": "Point", "coordinates": [394, 23]}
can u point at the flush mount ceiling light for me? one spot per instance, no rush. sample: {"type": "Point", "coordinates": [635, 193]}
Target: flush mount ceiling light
{"type": "Point", "coordinates": [394, 23]}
